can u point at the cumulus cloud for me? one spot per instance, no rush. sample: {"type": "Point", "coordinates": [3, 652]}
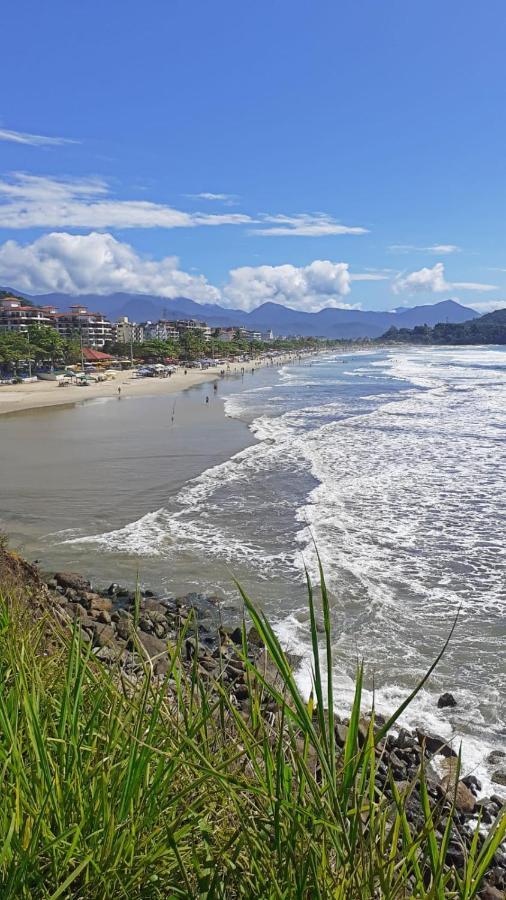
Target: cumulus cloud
{"type": "Point", "coordinates": [100, 263]}
{"type": "Point", "coordinates": [32, 201]}
{"type": "Point", "coordinates": [434, 281]}
{"type": "Point", "coordinates": [95, 263]}
{"type": "Point", "coordinates": [439, 249]}
{"type": "Point", "coordinates": [304, 225]}
{"type": "Point", "coordinates": [33, 140]}
{"type": "Point", "coordinates": [308, 288]}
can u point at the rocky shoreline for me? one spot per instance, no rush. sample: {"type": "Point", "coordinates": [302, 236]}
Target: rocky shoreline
{"type": "Point", "coordinates": [132, 631]}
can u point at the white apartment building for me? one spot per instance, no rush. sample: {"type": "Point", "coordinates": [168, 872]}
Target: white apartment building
{"type": "Point", "coordinates": [160, 331]}
{"type": "Point", "coordinates": [15, 316]}
{"type": "Point", "coordinates": [93, 328]}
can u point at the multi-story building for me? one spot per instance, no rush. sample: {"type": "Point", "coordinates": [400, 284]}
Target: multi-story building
{"type": "Point", "coordinates": [185, 325]}
{"type": "Point", "coordinates": [15, 316]}
{"type": "Point", "coordinates": [94, 329]}
{"type": "Point", "coordinates": [127, 332]}
{"type": "Point", "coordinates": [161, 331]}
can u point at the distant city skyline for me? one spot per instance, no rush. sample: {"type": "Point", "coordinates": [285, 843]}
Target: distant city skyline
{"type": "Point", "coordinates": [347, 155]}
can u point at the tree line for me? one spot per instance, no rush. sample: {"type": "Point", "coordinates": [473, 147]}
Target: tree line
{"type": "Point", "coordinates": [488, 329]}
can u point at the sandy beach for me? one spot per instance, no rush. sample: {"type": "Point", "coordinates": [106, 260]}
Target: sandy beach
{"type": "Point", "coordinates": [22, 397]}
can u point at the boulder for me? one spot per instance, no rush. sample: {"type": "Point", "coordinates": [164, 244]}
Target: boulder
{"type": "Point", "coordinates": [472, 783]}
{"type": "Point", "coordinates": [465, 801]}
{"type": "Point", "coordinates": [72, 580]}
{"type": "Point", "coordinates": [433, 744]}
{"type": "Point", "coordinates": [104, 635]}
{"type": "Point", "coordinates": [446, 699]}
{"type": "Point", "coordinates": [152, 645]}
{"type": "Point", "coordinates": [499, 778]}
{"type": "Point", "coordinates": [496, 757]}
{"type": "Point", "coordinates": [95, 602]}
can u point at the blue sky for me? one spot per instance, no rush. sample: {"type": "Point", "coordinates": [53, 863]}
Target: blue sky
{"type": "Point", "coordinates": [345, 153]}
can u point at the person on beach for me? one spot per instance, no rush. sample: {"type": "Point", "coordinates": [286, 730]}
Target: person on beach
{"type": "Point", "coordinates": [207, 399]}
{"type": "Point", "coordinates": [215, 387]}
{"type": "Point", "coordinates": [119, 392]}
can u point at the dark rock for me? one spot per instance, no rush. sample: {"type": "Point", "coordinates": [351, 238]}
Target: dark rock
{"type": "Point", "coordinates": [473, 783]}
{"type": "Point", "coordinates": [496, 757]}
{"type": "Point", "coordinates": [148, 594]}
{"type": "Point", "coordinates": [498, 801]}
{"type": "Point", "coordinates": [72, 580]}
{"type": "Point", "coordinates": [236, 637]}
{"type": "Point", "coordinates": [113, 589]}
{"type": "Point", "coordinates": [341, 733]}
{"type": "Point", "coordinates": [499, 778]}
{"type": "Point", "coordinates": [446, 699]}
{"type": "Point", "coordinates": [455, 855]}
{"type": "Point", "coordinates": [254, 639]}
{"type": "Point", "coordinates": [52, 583]}
{"type": "Point", "coordinates": [487, 811]}
{"type": "Point", "coordinates": [433, 744]}
{"type": "Point", "coordinates": [71, 594]}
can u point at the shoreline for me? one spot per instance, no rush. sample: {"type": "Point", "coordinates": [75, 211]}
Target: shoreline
{"type": "Point", "coordinates": [18, 398]}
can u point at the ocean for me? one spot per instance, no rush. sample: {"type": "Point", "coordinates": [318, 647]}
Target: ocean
{"type": "Point", "coordinates": [389, 464]}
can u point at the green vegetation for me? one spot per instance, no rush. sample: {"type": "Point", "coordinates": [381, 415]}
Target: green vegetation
{"type": "Point", "coordinates": [192, 346]}
{"type": "Point", "coordinates": [488, 329]}
{"type": "Point", "coordinates": [111, 791]}
{"type": "Point", "coordinates": [39, 344]}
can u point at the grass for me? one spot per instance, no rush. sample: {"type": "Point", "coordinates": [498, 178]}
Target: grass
{"type": "Point", "coordinates": [114, 793]}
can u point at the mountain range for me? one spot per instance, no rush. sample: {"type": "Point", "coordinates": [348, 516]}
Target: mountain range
{"type": "Point", "coordinates": [330, 322]}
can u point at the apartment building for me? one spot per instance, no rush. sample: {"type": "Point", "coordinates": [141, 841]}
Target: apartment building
{"type": "Point", "coordinates": [127, 331]}
{"type": "Point", "coordinates": [15, 316]}
{"type": "Point", "coordinates": [161, 331]}
{"type": "Point", "coordinates": [93, 328]}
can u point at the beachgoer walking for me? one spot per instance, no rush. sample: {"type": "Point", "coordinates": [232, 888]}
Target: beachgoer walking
{"type": "Point", "coordinates": [207, 399]}
{"type": "Point", "coordinates": [119, 392]}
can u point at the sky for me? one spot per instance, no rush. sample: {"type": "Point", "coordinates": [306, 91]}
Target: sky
{"type": "Point", "coordinates": [327, 153]}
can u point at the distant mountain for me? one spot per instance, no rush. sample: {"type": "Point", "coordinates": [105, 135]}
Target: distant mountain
{"type": "Point", "coordinates": [329, 322]}
{"type": "Point", "coordinates": [487, 329]}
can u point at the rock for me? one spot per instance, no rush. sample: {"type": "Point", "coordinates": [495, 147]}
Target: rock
{"type": "Point", "coordinates": [341, 733]}
{"type": "Point", "coordinates": [499, 778]}
{"type": "Point", "coordinates": [254, 639]}
{"type": "Point", "coordinates": [465, 800]}
{"type": "Point", "coordinates": [72, 580]}
{"type": "Point", "coordinates": [95, 602]}
{"type": "Point", "coordinates": [489, 892]}
{"type": "Point", "coordinates": [446, 699]}
{"type": "Point", "coordinates": [473, 783]}
{"type": "Point", "coordinates": [497, 756]}
{"type": "Point", "coordinates": [404, 740]}
{"type": "Point", "coordinates": [107, 654]}
{"type": "Point", "coordinates": [113, 589]}
{"type": "Point", "coordinates": [104, 635]}
{"type": "Point", "coordinates": [433, 744]}
{"type": "Point", "coordinates": [104, 617]}
{"type": "Point", "coordinates": [455, 855]}
{"type": "Point", "coordinates": [152, 645]}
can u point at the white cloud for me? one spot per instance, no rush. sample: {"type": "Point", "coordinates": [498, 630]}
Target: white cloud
{"type": "Point", "coordinates": [369, 276]}
{"type": "Point", "coordinates": [434, 281]}
{"type": "Point", "coordinates": [489, 306]}
{"type": "Point", "coordinates": [95, 263]}
{"type": "Point", "coordinates": [227, 199]}
{"type": "Point", "coordinates": [439, 249]}
{"type": "Point", "coordinates": [31, 201]}
{"type": "Point", "coordinates": [33, 140]}
{"type": "Point", "coordinates": [305, 225]}
{"type": "Point", "coordinates": [308, 288]}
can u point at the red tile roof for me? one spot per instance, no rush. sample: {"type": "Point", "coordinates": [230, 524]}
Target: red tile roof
{"type": "Point", "coordinates": [95, 355]}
